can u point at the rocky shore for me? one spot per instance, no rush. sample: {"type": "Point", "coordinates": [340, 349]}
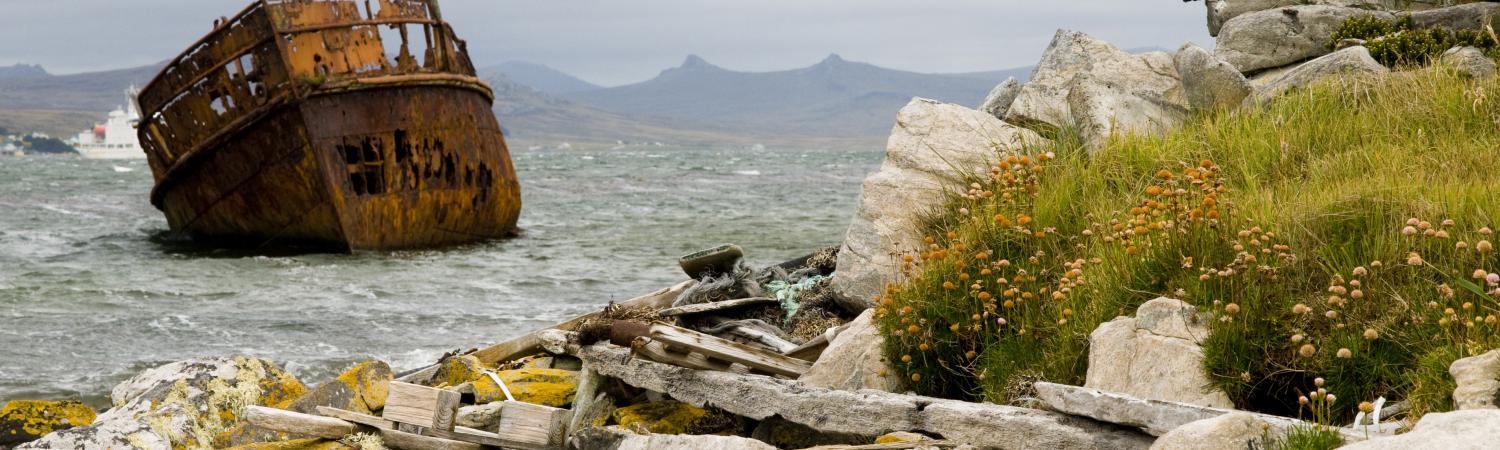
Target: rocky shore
{"type": "Point", "coordinates": [790, 356]}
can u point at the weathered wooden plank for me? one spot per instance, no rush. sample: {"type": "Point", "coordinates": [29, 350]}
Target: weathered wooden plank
{"type": "Point", "coordinates": [532, 343]}
{"type": "Point", "coordinates": [398, 439]}
{"type": "Point", "coordinates": [656, 351]}
{"type": "Point", "coordinates": [709, 307]}
{"type": "Point", "coordinates": [421, 406]}
{"type": "Point", "coordinates": [462, 434]}
{"type": "Point", "coordinates": [536, 425]}
{"type": "Point", "coordinates": [751, 335]}
{"type": "Point", "coordinates": [729, 351]}
{"type": "Point", "coordinates": [297, 423]}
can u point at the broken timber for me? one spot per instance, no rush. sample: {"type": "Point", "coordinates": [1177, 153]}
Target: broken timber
{"type": "Point", "coordinates": [462, 435]}
{"type": "Point", "coordinates": [334, 428]}
{"type": "Point", "coordinates": [709, 307]}
{"type": "Point", "coordinates": [729, 351]}
{"type": "Point", "coordinates": [422, 406]}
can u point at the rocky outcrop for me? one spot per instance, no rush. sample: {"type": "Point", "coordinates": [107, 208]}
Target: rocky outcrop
{"type": "Point", "coordinates": [1443, 431]}
{"type": "Point", "coordinates": [26, 420]}
{"type": "Point", "coordinates": [1154, 356]}
{"type": "Point", "coordinates": [1234, 431]}
{"type": "Point", "coordinates": [1157, 418]}
{"type": "Point", "coordinates": [661, 417]}
{"type": "Point", "coordinates": [1470, 62]}
{"type": "Point", "coordinates": [182, 404]}
{"type": "Point", "coordinates": [854, 360]}
{"type": "Point", "coordinates": [999, 100]}
{"type": "Point", "coordinates": [933, 148]}
{"type": "Point", "coordinates": [1478, 379]}
{"type": "Point", "coordinates": [361, 389]}
{"type": "Point", "coordinates": [1208, 82]}
{"type": "Point", "coordinates": [616, 439]}
{"type": "Point", "coordinates": [1349, 63]}
{"type": "Point", "coordinates": [1043, 101]}
{"type": "Point", "coordinates": [1282, 36]}
{"type": "Point", "coordinates": [865, 413]}
{"type": "Point", "coordinates": [548, 387]}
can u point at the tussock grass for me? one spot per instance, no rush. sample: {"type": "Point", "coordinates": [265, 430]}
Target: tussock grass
{"type": "Point", "coordinates": [1336, 232]}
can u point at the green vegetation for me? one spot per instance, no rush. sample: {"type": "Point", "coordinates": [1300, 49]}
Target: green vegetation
{"type": "Point", "coordinates": [1337, 232]}
{"type": "Point", "coordinates": [1402, 44]}
{"type": "Point", "coordinates": [1308, 437]}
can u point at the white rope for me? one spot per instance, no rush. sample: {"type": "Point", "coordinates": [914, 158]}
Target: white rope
{"type": "Point", "coordinates": [503, 389]}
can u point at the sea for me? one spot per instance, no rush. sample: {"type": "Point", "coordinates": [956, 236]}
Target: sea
{"type": "Point", "coordinates": [94, 288]}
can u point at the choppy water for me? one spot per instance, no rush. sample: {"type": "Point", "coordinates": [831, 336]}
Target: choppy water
{"type": "Point", "coordinates": [89, 296]}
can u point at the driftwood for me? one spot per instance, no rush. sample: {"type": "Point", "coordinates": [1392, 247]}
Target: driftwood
{"type": "Point", "coordinates": [728, 351]}
{"type": "Point", "coordinates": [335, 428]}
{"type": "Point", "coordinates": [703, 308]}
{"type": "Point", "coordinates": [656, 351]}
{"type": "Point", "coordinates": [746, 329]}
{"type": "Point", "coordinates": [421, 406]}
{"type": "Point", "coordinates": [469, 437]}
{"type": "Point", "coordinates": [530, 343]}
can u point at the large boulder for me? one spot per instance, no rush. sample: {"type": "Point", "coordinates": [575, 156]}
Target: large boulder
{"type": "Point", "coordinates": [1154, 356]}
{"type": "Point", "coordinates": [854, 360]}
{"type": "Point", "coordinates": [1043, 101]}
{"type": "Point", "coordinates": [1349, 63]}
{"type": "Point", "coordinates": [933, 148]}
{"type": "Point", "coordinates": [1470, 62]}
{"type": "Point", "coordinates": [1478, 379]}
{"type": "Point", "coordinates": [1104, 106]}
{"type": "Point", "coordinates": [1220, 11]}
{"type": "Point", "coordinates": [191, 404]}
{"type": "Point", "coordinates": [26, 420]}
{"type": "Point", "coordinates": [1234, 431]}
{"type": "Point", "coordinates": [1472, 429]}
{"type": "Point", "coordinates": [1208, 82]}
{"type": "Point", "coordinates": [1000, 98]}
{"type": "Point", "coordinates": [362, 389]}
{"type": "Point", "coordinates": [1281, 36]}
{"type": "Point", "coordinates": [1470, 16]}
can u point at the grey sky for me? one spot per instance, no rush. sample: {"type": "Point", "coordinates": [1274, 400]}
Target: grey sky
{"type": "Point", "coordinates": [615, 42]}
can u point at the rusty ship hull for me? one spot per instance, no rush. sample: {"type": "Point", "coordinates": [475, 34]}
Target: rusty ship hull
{"type": "Point", "coordinates": [318, 132]}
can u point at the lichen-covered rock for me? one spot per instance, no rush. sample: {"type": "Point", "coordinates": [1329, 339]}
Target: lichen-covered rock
{"type": "Point", "coordinates": [1470, 62]}
{"type": "Point", "coordinates": [1000, 98]}
{"type": "Point", "coordinates": [457, 370]}
{"type": "Point", "coordinates": [1351, 63]}
{"type": "Point", "coordinates": [932, 150]}
{"type": "Point", "coordinates": [1472, 429]}
{"type": "Point", "coordinates": [186, 404]}
{"type": "Point", "coordinates": [1228, 432]}
{"type": "Point", "coordinates": [854, 360]}
{"type": "Point", "coordinates": [661, 417]}
{"type": "Point", "coordinates": [1478, 379]}
{"type": "Point", "coordinates": [1220, 11]}
{"type": "Point", "coordinates": [1282, 36]}
{"type": "Point", "coordinates": [361, 389]}
{"type": "Point", "coordinates": [1154, 355]}
{"type": "Point", "coordinates": [1208, 82]}
{"type": "Point", "coordinates": [549, 387]}
{"type": "Point", "coordinates": [26, 420]}
{"type": "Point", "coordinates": [1043, 101]}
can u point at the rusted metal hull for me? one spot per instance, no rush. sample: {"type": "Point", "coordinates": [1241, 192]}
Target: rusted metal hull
{"type": "Point", "coordinates": [387, 168]}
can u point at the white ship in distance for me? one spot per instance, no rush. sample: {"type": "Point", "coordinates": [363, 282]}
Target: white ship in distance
{"type": "Point", "coordinates": [116, 137]}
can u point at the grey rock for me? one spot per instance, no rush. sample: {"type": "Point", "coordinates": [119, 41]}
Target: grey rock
{"type": "Point", "coordinates": [999, 100]}
{"type": "Point", "coordinates": [1043, 101]}
{"type": "Point", "coordinates": [1154, 356]}
{"type": "Point", "coordinates": [1103, 108]}
{"type": "Point", "coordinates": [1469, 16]}
{"type": "Point", "coordinates": [1351, 63]}
{"type": "Point", "coordinates": [174, 405]}
{"type": "Point", "coordinates": [1208, 82]}
{"type": "Point", "coordinates": [932, 150]}
{"type": "Point", "coordinates": [1233, 431]}
{"type": "Point", "coordinates": [1478, 379]}
{"type": "Point", "coordinates": [1220, 11]}
{"type": "Point", "coordinates": [1470, 62]}
{"type": "Point", "coordinates": [613, 438]}
{"type": "Point", "coordinates": [854, 360]}
{"type": "Point", "coordinates": [1281, 36]}
{"type": "Point", "coordinates": [1154, 417]}
{"type": "Point", "coordinates": [866, 413]}
{"type": "Point", "coordinates": [1457, 430]}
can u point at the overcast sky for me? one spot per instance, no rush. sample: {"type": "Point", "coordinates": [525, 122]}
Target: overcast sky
{"type": "Point", "coordinates": [614, 42]}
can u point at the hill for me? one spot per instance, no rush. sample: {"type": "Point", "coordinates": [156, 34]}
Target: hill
{"type": "Point", "coordinates": [832, 98]}
{"type": "Point", "coordinates": [542, 78]}
{"type": "Point", "coordinates": [33, 100]}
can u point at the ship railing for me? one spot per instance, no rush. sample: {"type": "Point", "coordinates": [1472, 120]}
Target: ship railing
{"type": "Point", "coordinates": [277, 51]}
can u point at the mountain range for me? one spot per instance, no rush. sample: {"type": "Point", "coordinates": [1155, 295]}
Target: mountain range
{"type": "Point", "coordinates": [832, 103]}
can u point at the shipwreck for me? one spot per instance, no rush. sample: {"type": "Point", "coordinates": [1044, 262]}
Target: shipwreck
{"type": "Point", "coordinates": [336, 124]}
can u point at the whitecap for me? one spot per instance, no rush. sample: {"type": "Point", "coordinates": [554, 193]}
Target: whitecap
{"type": "Point", "coordinates": [123, 169]}
{"type": "Point", "coordinates": [752, 173]}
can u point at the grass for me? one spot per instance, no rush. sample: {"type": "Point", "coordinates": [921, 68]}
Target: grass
{"type": "Point", "coordinates": [1337, 232]}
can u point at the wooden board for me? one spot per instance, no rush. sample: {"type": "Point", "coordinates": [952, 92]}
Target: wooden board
{"type": "Point", "coordinates": [709, 307]}
{"type": "Point", "coordinates": [421, 406]}
{"type": "Point", "coordinates": [462, 434]}
{"type": "Point", "coordinates": [297, 423]}
{"type": "Point", "coordinates": [729, 351]}
{"type": "Point", "coordinates": [538, 425]}
{"type": "Point", "coordinates": [531, 342]}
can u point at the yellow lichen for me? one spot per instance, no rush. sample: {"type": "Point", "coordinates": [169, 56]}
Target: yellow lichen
{"type": "Point", "coordinates": [663, 417]}
{"type": "Point", "coordinates": [458, 370]}
{"type": "Point", "coordinates": [368, 384]}
{"type": "Point", "coordinates": [302, 444]}
{"type": "Point", "coordinates": [37, 418]}
{"type": "Point", "coordinates": [549, 387]}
